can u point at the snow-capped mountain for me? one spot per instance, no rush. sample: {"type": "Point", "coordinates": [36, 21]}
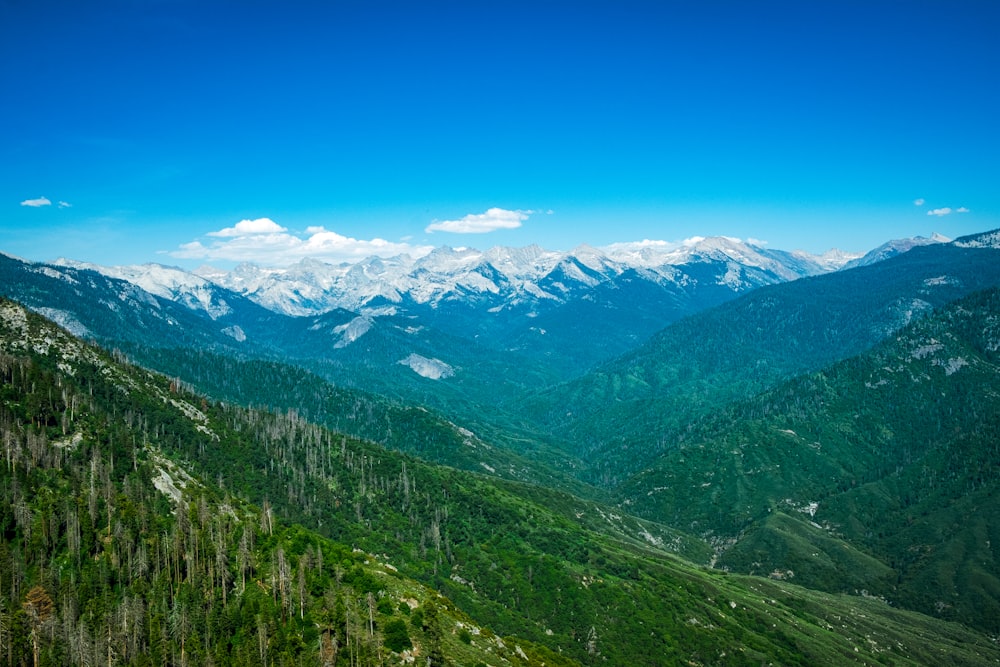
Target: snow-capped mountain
{"type": "Point", "coordinates": [895, 247]}
{"type": "Point", "coordinates": [720, 249]}
{"type": "Point", "coordinates": [578, 306]}
{"type": "Point", "coordinates": [167, 282]}
{"type": "Point", "coordinates": [504, 277]}
{"type": "Point", "coordinates": [457, 325]}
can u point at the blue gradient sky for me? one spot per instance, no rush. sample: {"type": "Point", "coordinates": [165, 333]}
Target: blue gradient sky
{"type": "Point", "coordinates": [358, 127]}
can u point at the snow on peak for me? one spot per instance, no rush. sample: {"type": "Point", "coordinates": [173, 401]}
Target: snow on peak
{"type": "Point", "coordinates": [167, 282]}
{"type": "Point", "coordinates": [735, 253]}
{"type": "Point", "coordinates": [496, 279]}
{"type": "Point", "coordinates": [896, 247]}
{"type": "Point", "coordinates": [526, 263]}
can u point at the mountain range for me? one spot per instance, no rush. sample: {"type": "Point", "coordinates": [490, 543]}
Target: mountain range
{"type": "Point", "coordinates": [707, 453]}
{"type": "Point", "coordinates": [526, 299]}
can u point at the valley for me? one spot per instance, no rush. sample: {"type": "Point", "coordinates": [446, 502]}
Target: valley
{"type": "Point", "coordinates": [708, 454]}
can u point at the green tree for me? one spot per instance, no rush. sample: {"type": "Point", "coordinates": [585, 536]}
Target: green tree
{"type": "Point", "coordinates": [396, 636]}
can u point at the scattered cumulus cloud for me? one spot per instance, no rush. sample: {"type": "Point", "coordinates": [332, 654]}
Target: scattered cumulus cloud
{"type": "Point", "coordinates": [481, 223]}
{"type": "Point", "coordinates": [941, 212]}
{"type": "Point", "coordinates": [919, 201]}
{"type": "Point", "coordinates": [44, 201]}
{"type": "Point", "coordinates": [251, 227]}
{"type": "Point", "coordinates": [266, 242]}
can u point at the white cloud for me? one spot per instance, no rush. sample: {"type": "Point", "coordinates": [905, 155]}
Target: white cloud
{"type": "Point", "coordinates": [940, 212]}
{"type": "Point", "coordinates": [481, 223]}
{"type": "Point", "coordinates": [265, 242]}
{"type": "Point", "coordinates": [331, 244]}
{"type": "Point", "coordinates": [248, 227]}
{"type": "Point", "coordinates": [35, 203]}
{"type": "Point", "coordinates": [65, 204]}
{"type": "Point", "coordinates": [192, 250]}
{"type": "Point", "coordinates": [920, 201]}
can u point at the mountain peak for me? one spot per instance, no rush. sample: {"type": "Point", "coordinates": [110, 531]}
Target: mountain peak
{"type": "Point", "coordinates": [896, 247]}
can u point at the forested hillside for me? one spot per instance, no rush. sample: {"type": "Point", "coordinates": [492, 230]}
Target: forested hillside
{"type": "Point", "coordinates": [880, 473]}
{"type": "Point", "coordinates": [623, 415]}
{"type": "Point", "coordinates": [143, 524]}
{"type": "Point", "coordinates": [113, 553]}
{"type": "Point", "coordinates": [411, 429]}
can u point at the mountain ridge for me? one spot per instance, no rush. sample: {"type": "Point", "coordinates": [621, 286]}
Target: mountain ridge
{"type": "Point", "coordinates": [312, 287]}
{"type": "Point", "coordinates": [742, 345]}
{"type": "Point", "coordinates": [529, 300]}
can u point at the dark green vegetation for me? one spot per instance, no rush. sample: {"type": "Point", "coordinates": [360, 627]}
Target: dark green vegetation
{"type": "Point", "coordinates": [111, 553]}
{"type": "Point", "coordinates": [879, 473]}
{"type": "Point", "coordinates": [414, 430]}
{"type": "Point", "coordinates": [255, 559]}
{"type": "Point", "coordinates": [623, 414]}
{"type": "Point", "coordinates": [827, 446]}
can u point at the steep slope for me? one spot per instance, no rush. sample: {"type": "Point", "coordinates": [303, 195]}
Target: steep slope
{"type": "Point", "coordinates": [365, 353]}
{"type": "Point", "coordinates": [625, 412]}
{"type": "Point", "coordinates": [390, 423]}
{"type": "Point", "coordinates": [166, 282]}
{"type": "Point", "coordinates": [459, 330]}
{"type": "Point", "coordinates": [113, 553]}
{"type": "Point", "coordinates": [375, 351]}
{"type": "Point", "coordinates": [101, 307]}
{"type": "Point", "coordinates": [879, 473]}
{"type": "Point", "coordinates": [88, 438]}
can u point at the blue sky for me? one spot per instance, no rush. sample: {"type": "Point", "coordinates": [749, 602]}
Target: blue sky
{"type": "Point", "coordinates": [213, 132]}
